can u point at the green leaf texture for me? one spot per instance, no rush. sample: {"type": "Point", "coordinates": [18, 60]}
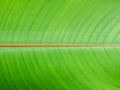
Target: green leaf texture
{"type": "Point", "coordinates": [60, 22]}
{"type": "Point", "coordinates": [60, 68]}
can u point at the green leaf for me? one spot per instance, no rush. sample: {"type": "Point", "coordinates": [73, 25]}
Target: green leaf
{"type": "Point", "coordinates": [60, 22]}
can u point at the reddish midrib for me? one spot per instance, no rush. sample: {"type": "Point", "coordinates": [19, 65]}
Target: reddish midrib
{"type": "Point", "coordinates": [59, 45]}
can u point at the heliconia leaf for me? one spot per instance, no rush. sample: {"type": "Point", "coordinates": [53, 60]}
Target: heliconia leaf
{"type": "Point", "coordinates": [60, 21]}
{"type": "Point", "coordinates": [60, 68]}
{"type": "Point", "coordinates": [60, 44]}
